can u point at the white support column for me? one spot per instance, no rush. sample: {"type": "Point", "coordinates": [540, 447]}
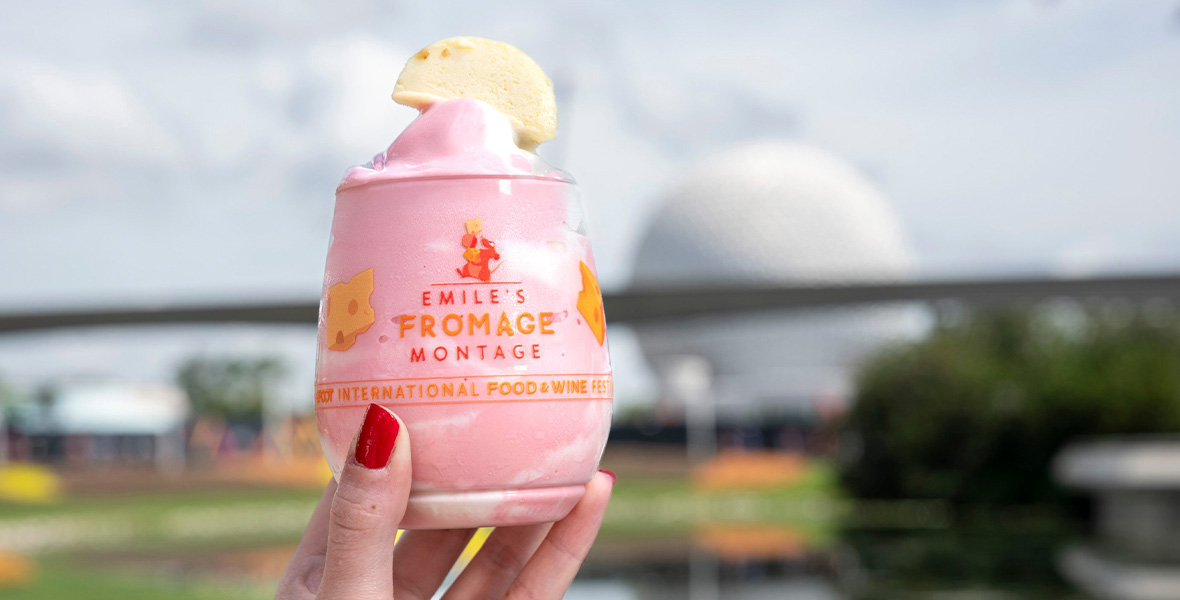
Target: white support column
{"type": "Point", "coordinates": [689, 380]}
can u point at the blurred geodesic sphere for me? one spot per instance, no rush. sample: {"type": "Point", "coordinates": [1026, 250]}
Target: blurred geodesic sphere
{"type": "Point", "coordinates": [774, 214]}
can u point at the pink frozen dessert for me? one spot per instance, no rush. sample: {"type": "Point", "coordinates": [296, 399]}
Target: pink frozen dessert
{"type": "Point", "coordinates": [460, 292]}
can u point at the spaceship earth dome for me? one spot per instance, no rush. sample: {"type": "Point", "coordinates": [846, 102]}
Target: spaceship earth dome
{"type": "Point", "coordinates": [774, 213]}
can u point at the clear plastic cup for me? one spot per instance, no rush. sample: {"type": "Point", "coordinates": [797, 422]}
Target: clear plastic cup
{"type": "Point", "coordinates": [470, 307]}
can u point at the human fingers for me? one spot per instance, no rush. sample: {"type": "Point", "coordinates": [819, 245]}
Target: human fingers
{"type": "Point", "coordinates": [497, 563]}
{"type": "Point", "coordinates": [370, 500]}
{"type": "Point", "coordinates": [422, 560]}
{"type": "Point", "coordinates": [549, 572]}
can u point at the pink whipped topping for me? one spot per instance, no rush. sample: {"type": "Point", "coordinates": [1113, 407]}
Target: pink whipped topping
{"type": "Point", "coordinates": [461, 137]}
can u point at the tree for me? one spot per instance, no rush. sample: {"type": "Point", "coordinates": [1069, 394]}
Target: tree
{"type": "Point", "coordinates": [976, 412]}
{"type": "Point", "coordinates": [233, 388]}
{"type": "Point", "coordinates": [8, 397]}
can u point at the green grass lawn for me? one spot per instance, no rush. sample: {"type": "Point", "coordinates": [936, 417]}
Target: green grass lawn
{"type": "Point", "coordinates": [57, 581]}
{"type": "Point", "coordinates": [154, 502]}
{"type": "Point", "coordinates": [810, 507]}
{"type": "Point", "coordinates": [224, 518]}
{"type": "Point", "coordinates": [65, 537]}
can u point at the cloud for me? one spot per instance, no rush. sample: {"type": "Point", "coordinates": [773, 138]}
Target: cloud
{"type": "Point", "coordinates": [360, 71]}
{"type": "Point", "coordinates": [177, 151]}
{"type": "Point", "coordinates": [82, 115]}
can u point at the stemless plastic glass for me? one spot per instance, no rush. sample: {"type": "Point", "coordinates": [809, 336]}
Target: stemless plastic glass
{"type": "Point", "coordinates": [470, 307]}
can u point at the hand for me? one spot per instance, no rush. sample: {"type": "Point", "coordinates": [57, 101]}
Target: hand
{"type": "Point", "coordinates": [348, 553]}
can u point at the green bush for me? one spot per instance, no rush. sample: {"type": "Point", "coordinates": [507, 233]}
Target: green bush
{"type": "Point", "coordinates": [976, 412]}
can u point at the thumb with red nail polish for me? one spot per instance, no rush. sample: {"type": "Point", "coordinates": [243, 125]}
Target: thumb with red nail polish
{"type": "Point", "coordinates": [368, 505]}
{"type": "Point", "coordinates": [375, 441]}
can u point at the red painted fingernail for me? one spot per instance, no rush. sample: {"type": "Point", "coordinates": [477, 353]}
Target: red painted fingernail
{"type": "Point", "coordinates": [611, 474]}
{"type": "Point", "coordinates": [374, 445]}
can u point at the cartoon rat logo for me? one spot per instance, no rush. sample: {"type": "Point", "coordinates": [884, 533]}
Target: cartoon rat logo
{"type": "Point", "coordinates": [479, 252]}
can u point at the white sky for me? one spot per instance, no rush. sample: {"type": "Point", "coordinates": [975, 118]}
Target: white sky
{"type": "Point", "coordinates": [151, 152]}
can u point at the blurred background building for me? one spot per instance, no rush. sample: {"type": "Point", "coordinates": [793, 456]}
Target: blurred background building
{"type": "Point", "coordinates": [97, 422]}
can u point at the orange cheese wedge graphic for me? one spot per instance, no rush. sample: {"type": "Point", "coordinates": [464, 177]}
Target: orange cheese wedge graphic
{"type": "Point", "coordinates": [590, 304]}
{"type": "Point", "coordinates": [349, 311]}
